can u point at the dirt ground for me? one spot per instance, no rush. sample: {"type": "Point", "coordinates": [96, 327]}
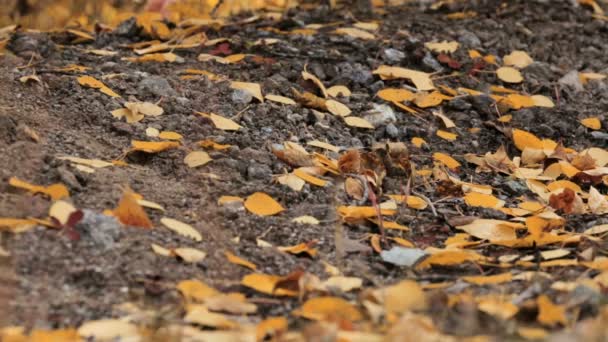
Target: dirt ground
{"type": "Point", "coordinates": [52, 281]}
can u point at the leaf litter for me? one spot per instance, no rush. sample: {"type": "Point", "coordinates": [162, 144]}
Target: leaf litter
{"type": "Point", "coordinates": [482, 204]}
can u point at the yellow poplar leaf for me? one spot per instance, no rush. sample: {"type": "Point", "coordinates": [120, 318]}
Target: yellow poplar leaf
{"type": "Point", "coordinates": [426, 100]}
{"type": "Point", "coordinates": [498, 307]}
{"type": "Point", "coordinates": [446, 135]}
{"type": "Point", "coordinates": [542, 101]}
{"type": "Point", "coordinates": [195, 290]}
{"type": "Point", "coordinates": [561, 184]}
{"type": "Point", "coordinates": [261, 204]}
{"type": "Point", "coordinates": [266, 283]}
{"type": "Point", "coordinates": [550, 314]}
{"type": "Point", "coordinates": [509, 75]}
{"type": "Point", "coordinates": [476, 199]}
{"type": "Point", "coordinates": [309, 178]}
{"type": "Point", "coordinates": [593, 123]}
{"type": "Point", "coordinates": [402, 297]}
{"type": "Point", "coordinates": [299, 249]}
{"type": "Point", "coordinates": [253, 88]}
{"type": "Point", "coordinates": [306, 219]}
{"type": "Point", "coordinates": [168, 135]}
{"type": "Point", "coordinates": [364, 212]}
{"type": "Point", "coordinates": [325, 308]}
{"type": "Point", "coordinates": [181, 228]}
{"type": "Point", "coordinates": [191, 255]}
{"type": "Point", "coordinates": [221, 122]}
{"type": "Point", "coordinates": [421, 80]}
{"type": "Point", "coordinates": [310, 77]}
{"type": "Point", "coordinates": [418, 142]}
{"type": "Point", "coordinates": [491, 279]}
{"type": "Point", "coordinates": [354, 121]}
{"type": "Point", "coordinates": [413, 202]}
{"type": "Point", "coordinates": [532, 334]}
{"type": "Point", "coordinates": [280, 99]}
{"type": "Point", "coordinates": [446, 160]}
{"type": "Point", "coordinates": [324, 145]}
{"type": "Point", "coordinates": [337, 108]}
{"type": "Point", "coordinates": [443, 47]}
{"type": "Point", "coordinates": [517, 101]}
{"type": "Point", "coordinates": [228, 199]}
{"type": "Point", "coordinates": [449, 257]}
{"type": "Point", "coordinates": [153, 146]}
{"type": "Point", "coordinates": [197, 158]}
{"type": "Point", "coordinates": [55, 191]}
{"type": "Point", "coordinates": [492, 230]}
{"type": "Point", "coordinates": [108, 330]}
{"type": "Point", "coordinates": [91, 82]}
{"type": "Point", "coordinates": [199, 314]}
{"type": "Point", "coordinates": [518, 59]}
{"type": "Point", "coordinates": [239, 261]}
{"type": "Point", "coordinates": [338, 90]}
{"type": "Point", "coordinates": [474, 54]}
{"type": "Point", "coordinates": [523, 139]}
{"type": "Point", "coordinates": [355, 33]}
{"type": "Point", "coordinates": [396, 95]}
{"type": "Point", "coordinates": [273, 326]}
{"type": "Point", "coordinates": [129, 212]}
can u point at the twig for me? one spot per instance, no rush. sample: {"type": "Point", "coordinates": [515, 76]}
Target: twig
{"type": "Point", "coordinates": [427, 201]}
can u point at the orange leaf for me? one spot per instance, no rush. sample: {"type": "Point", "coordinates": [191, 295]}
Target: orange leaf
{"type": "Point", "coordinates": [446, 160]}
{"type": "Point", "coordinates": [300, 248]}
{"type": "Point", "coordinates": [239, 261]}
{"type": "Point", "coordinates": [309, 178]}
{"type": "Point", "coordinates": [491, 279]}
{"type": "Point", "coordinates": [592, 123]}
{"type": "Point", "coordinates": [523, 139]}
{"type": "Point", "coordinates": [446, 135]}
{"type": "Point", "coordinates": [261, 204]}
{"type": "Point", "coordinates": [267, 283]}
{"type": "Point", "coordinates": [130, 213]}
{"type": "Point", "coordinates": [153, 146]}
{"type": "Point", "coordinates": [550, 314]}
{"type": "Point", "coordinates": [271, 327]}
{"type": "Point", "coordinates": [328, 308]}
{"type": "Point", "coordinates": [476, 199]}
{"type": "Point", "coordinates": [55, 191]}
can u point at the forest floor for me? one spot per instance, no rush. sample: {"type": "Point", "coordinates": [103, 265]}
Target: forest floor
{"type": "Point", "coordinates": [535, 272]}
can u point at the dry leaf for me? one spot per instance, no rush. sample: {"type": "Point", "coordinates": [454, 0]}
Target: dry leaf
{"type": "Point", "coordinates": [421, 80]}
{"type": "Point", "coordinates": [354, 121]}
{"type": "Point", "coordinates": [266, 283]}
{"type": "Point", "coordinates": [152, 146]}
{"type": "Point", "coordinates": [129, 212]}
{"type": "Point", "coordinates": [190, 255]}
{"type": "Point", "coordinates": [396, 95]}
{"type": "Point", "coordinates": [321, 144]}
{"type": "Point", "coordinates": [338, 90]}
{"type": "Point", "coordinates": [90, 82]}
{"type": "Point", "coordinates": [402, 297]}
{"type": "Point", "coordinates": [301, 172]}
{"type": "Point", "coordinates": [418, 142]}
{"type": "Point", "coordinates": [253, 88]}
{"type": "Point", "coordinates": [476, 199]}
{"type": "Point", "coordinates": [96, 163]}
{"type": "Point", "coordinates": [446, 135]}
{"type": "Point", "coordinates": [523, 139]}
{"type": "Point", "coordinates": [593, 123]}
{"type": "Point", "coordinates": [199, 314]}
{"type": "Point", "coordinates": [239, 261]}
{"type": "Point", "coordinates": [509, 75]}
{"type": "Point", "coordinates": [542, 101]}
{"type": "Point", "coordinates": [55, 191]}
{"type": "Point", "coordinates": [550, 314]}
{"type": "Point", "coordinates": [326, 308]}
{"type": "Point", "coordinates": [271, 328]}
{"type": "Point", "coordinates": [337, 108]}
{"type": "Point", "coordinates": [446, 160]}
{"type": "Point", "coordinates": [168, 135]}
{"type": "Point", "coordinates": [108, 330]}
{"type": "Point", "coordinates": [518, 59]}
{"type": "Point", "coordinates": [280, 99]}
{"type": "Point", "coordinates": [261, 204]}
{"type": "Point", "coordinates": [492, 230]}
{"type": "Point", "coordinates": [221, 122]}
{"type": "Point", "coordinates": [196, 291]}
{"type": "Point", "coordinates": [197, 158]}
{"type": "Point", "coordinates": [442, 47]}
{"type": "Point", "coordinates": [181, 228]}
{"type": "Point", "coordinates": [355, 33]}
{"type": "Point", "coordinates": [491, 279]}
{"type": "Point", "coordinates": [310, 77]}
{"type": "Point", "coordinates": [306, 219]}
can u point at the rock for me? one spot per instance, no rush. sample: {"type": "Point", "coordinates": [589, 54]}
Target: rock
{"type": "Point", "coordinates": [431, 62]}
{"type": "Point", "coordinates": [599, 135]}
{"type": "Point", "coordinates": [381, 114]}
{"type": "Point", "coordinates": [182, 100]}
{"type": "Point", "coordinates": [240, 96]}
{"type": "Point", "coordinates": [258, 171]}
{"type": "Point", "coordinates": [545, 130]}
{"type": "Point", "coordinates": [392, 131]}
{"type": "Point", "coordinates": [539, 71]}
{"type": "Point", "coordinates": [31, 45]}
{"type": "Point", "coordinates": [376, 86]}
{"type": "Point", "coordinates": [469, 39]}
{"type": "Point", "coordinates": [356, 72]}
{"type": "Point", "coordinates": [68, 178]}
{"type": "Point", "coordinates": [102, 230]}
{"type": "Point", "coordinates": [393, 55]}
{"type": "Point", "coordinates": [401, 256]}
{"type": "Point", "coordinates": [572, 80]}
{"type": "Point", "coordinates": [108, 66]}
{"type": "Point", "coordinates": [459, 103]}
{"type": "Point", "coordinates": [484, 104]}
{"type": "Point", "coordinates": [157, 86]}
{"type": "Point", "coordinates": [122, 127]}
{"type": "Point", "coordinates": [516, 187]}
{"type": "Point", "coordinates": [127, 28]}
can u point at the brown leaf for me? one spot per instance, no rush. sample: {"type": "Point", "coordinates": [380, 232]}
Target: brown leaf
{"type": "Point", "coordinates": [293, 157]}
{"type": "Point", "coordinates": [563, 201]}
{"type": "Point", "coordinates": [130, 213]}
{"type": "Point", "coordinates": [350, 162]}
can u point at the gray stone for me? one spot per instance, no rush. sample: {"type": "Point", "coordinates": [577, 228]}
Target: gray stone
{"type": "Point", "coordinates": [356, 72]}
{"type": "Point", "coordinates": [516, 187]}
{"type": "Point", "coordinates": [539, 71]}
{"type": "Point", "coordinates": [393, 55]}
{"type": "Point", "coordinates": [545, 130]}
{"type": "Point", "coordinates": [431, 62]}
{"type": "Point", "coordinates": [392, 131]}
{"type": "Point", "coordinates": [469, 39]}
{"type": "Point", "coordinates": [401, 256]}
{"type": "Point", "coordinates": [459, 103]}
{"type": "Point", "coordinates": [68, 178]}
{"type": "Point", "coordinates": [376, 86]}
{"type": "Point", "coordinates": [102, 230]}
{"type": "Point", "coordinates": [381, 114]}
{"type": "Point", "coordinates": [182, 100]}
{"type": "Point", "coordinates": [258, 171]}
{"type": "Point", "coordinates": [572, 80]}
{"type": "Point", "coordinates": [157, 86]}
{"type": "Point", "coordinates": [240, 96]}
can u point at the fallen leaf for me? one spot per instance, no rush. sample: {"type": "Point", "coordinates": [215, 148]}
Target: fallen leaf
{"type": "Point", "coordinates": [129, 212]}
{"type": "Point", "coordinates": [476, 199]}
{"type": "Point", "coordinates": [446, 160]}
{"type": "Point", "coordinates": [327, 308]}
{"type": "Point", "coordinates": [153, 146]}
{"type": "Point", "coordinates": [261, 204]}
{"type": "Point", "coordinates": [517, 58]}
{"type": "Point", "coordinates": [324, 145]}
{"type": "Point", "coordinates": [181, 228]}
{"type": "Point", "coordinates": [509, 75]}
{"type": "Point", "coordinates": [341, 283]}
{"type": "Point", "coordinates": [271, 328]}
{"type": "Point", "coordinates": [337, 108]}
{"type": "Point", "coordinates": [449, 257]}
{"type": "Point", "coordinates": [314, 79]}
{"type": "Point", "coordinates": [197, 158]}
{"type": "Point", "coordinates": [96, 163]}
{"type": "Point", "coordinates": [421, 80]}
{"type": "Point", "coordinates": [542, 101]}
{"type": "Point", "coordinates": [338, 90]}
{"type": "Point", "coordinates": [253, 88]}
{"type": "Point", "coordinates": [491, 279]}
{"type": "Point", "coordinates": [497, 307]}
{"type": "Point", "coordinates": [523, 139]}
{"type": "Point", "coordinates": [221, 122]}
{"type": "Point", "coordinates": [199, 314]}
{"type": "Point", "coordinates": [280, 99]}
{"type": "Point", "coordinates": [446, 135]}
{"type": "Point", "coordinates": [492, 230]}
{"type": "Point", "coordinates": [302, 248]}
{"type": "Point", "coordinates": [418, 142]}
{"type": "Point", "coordinates": [108, 330]}
{"type": "Point", "coordinates": [90, 82]}
{"type": "Point", "coordinates": [196, 291]}
{"type": "Point", "coordinates": [593, 123]}
{"type": "Point", "coordinates": [55, 191]}
{"type": "Point", "coordinates": [550, 314]}
{"type": "Point", "coordinates": [354, 121]}
{"type": "Point", "coordinates": [444, 46]}
{"type": "Point", "coordinates": [404, 296]}
{"type": "Point", "coordinates": [355, 33]}
{"type": "Point", "coordinates": [300, 172]}
{"type": "Point", "coordinates": [266, 283]}
{"type": "Point", "coordinates": [239, 261]}
{"type": "Point", "coordinates": [306, 219]}
{"type": "Point", "coordinates": [402, 256]}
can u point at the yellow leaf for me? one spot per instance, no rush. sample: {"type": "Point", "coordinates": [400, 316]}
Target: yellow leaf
{"type": "Point", "coordinates": [324, 145]}
{"type": "Point", "coordinates": [181, 228]}
{"type": "Point", "coordinates": [593, 123]}
{"type": "Point", "coordinates": [418, 142]}
{"type": "Point", "coordinates": [542, 101]}
{"type": "Point", "coordinates": [586, 76]}
{"type": "Point", "coordinates": [401, 241]}
{"type": "Point", "coordinates": [533, 334]}
{"type": "Point", "coordinates": [396, 95]}
{"type": "Point", "coordinates": [155, 57]}
{"type": "Point", "coordinates": [523, 139]}
{"type": "Point", "coordinates": [271, 327]}
{"type": "Point", "coordinates": [266, 283]}
{"type": "Point", "coordinates": [498, 307]}
{"type": "Point", "coordinates": [492, 230]}
{"type": "Point", "coordinates": [425, 100]}
{"type": "Point", "coordinates": [446, 135]}
{"type": "Point", "coordinates": [305, 219]}
{"type": "Point", "coordinates": [299, 249]}
{"type": "Point", "coordinates": [221, 122]}
{"type": "Point", "coordinates": [449, 257]}
{"type": "Point", "coordinates": [404, 296]}
{"type": "Point", "coordinates": [354, 121]}
{"type": "Point", "coordinates": [261, 204]}
{"type": "Point", "coordinates": [337, 108]}
{"type": "Point", "coordinates": [196, 291]}
{"type": "Point", "coordinates": [491, 279]}
{"type": "Point", "coordinates": [160, 250]}
{"type": "Point", "coordinates": [325, 308]}
{"type": "Point", "coordinates": [476, 199]}
{"type": "Point", "coordinates": [413, 202]}
{"type": "Point", "coordinates": [96, 163]}
{"type": "Point", "coordinates": [253, 88]}
{"type": "Point", "coordinates": [338, 90]}
{"type": "Point", "coordinates": [60, 335]}
{"type": "Point", "coordinates": [153, 146]}
{"type": "Point", "coordinates": [235, 59]}
{"type": "Point", "coordinates": [443, 47]}
{"type": "Point", "coordinates": [228, 199]}
{"type": "Point", "coordinates": [354, 212]}
{"type": "Point", "coordinates": [191, 255]}
{"type": "Point", "coordinates": [446, 160]}
{"type": "Point", "coordinates": [90, 82]}
{"type": "Point", "coordinates": [55, 191]}
{"type": "Point", "coordinates": [561, 184]}
{"type": "Point", "coordinates": [129, 212]}
{"type": "Point", "coordinates": [280, 99]}
{"type": "Point", "coordinates": [109, 330]}
{"type": "Point", "coordinates": [197, 158]}
{"type": "Point", "coordinates": [509, 75]}
{"type": "Point", "coordinates": [505, 118]}
{"type": "Point", "coordinates": [309, 178]}
{"type": "Point", "coordinates": [518, 59]}
{"type": "Point", "coordinates": [550, 314]}
{"type": "Point", "coordinates": [310, 77]}
{"type": "Point", "coordinates": [239, 261]}
{"type": "Point", "coordinates": [15, 224]}
{"type": "Point", "coordinates": [474, 54]}
{"type": "Point", "coordinates": [168, 135]}
{"type": "Point", "coordinates": [199, 314]}
{"type": "Point", "coordinates": [355, 33]}
{"type": "Point", "coordinates": [421, 80]}
{"type": "Point", "coordinates": [210, 143]}
{"type": "Point", "coordinates": [517, 101]}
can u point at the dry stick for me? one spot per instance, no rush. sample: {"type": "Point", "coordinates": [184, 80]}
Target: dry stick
{"type": "Point", "coordinates": [338, 232]}
{"type": "Point", "coordinates": [427, 201]}
{"type": "Point", "coordinates": [373, 199]}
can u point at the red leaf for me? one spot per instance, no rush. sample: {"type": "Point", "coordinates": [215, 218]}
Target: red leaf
{"type": "Point", "coordinates": [222, 49]}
